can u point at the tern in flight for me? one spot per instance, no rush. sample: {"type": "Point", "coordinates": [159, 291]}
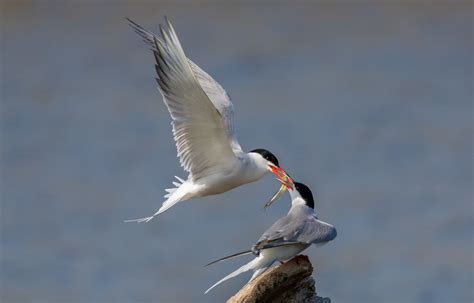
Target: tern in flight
{"type": "Point", "coordinates": [286, 238]}
{"type": "Point", "coordinates": [203, 127]}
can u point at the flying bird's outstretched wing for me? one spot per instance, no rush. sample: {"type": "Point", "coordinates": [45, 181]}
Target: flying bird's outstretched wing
{"type": "Point", "coordinates": [212, 89]}
{"type": "Point", "coordinates": [310, 230]}
{"type": "Point", "coordinates": [200, 134]}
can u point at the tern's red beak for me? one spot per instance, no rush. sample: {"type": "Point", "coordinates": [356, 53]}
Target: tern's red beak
{"type": "Point", "coordinates": [282, 176]}
{"type": "Point", "coordinates": [285, 180]}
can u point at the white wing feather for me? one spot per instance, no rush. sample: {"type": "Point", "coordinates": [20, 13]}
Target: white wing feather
{"type": "Point", "coordinates": [214, 91]}
{"type": "Point", "coordinates": [221, 101]}
{"type": "Point", "coordinates": [199, 131]}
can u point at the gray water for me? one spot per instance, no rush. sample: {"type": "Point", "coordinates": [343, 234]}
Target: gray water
{"type": "Point", "coordinates": [370, 105]}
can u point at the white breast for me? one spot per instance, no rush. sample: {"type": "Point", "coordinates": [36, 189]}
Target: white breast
{"type": "Point", "coordinates": [283, 253]}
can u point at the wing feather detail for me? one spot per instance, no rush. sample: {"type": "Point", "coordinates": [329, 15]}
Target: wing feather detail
{"type": "Point", "coordinates": [214, 91]}
{"type": "Point", "coordinates": [311, 230]}
{"type": "Point", "coordinates": [199, 129]}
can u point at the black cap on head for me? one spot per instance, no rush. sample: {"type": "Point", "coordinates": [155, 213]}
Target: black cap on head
{"type": "Point", "coordinates": [305, 193]}
{"type": "Point", "coordinates": [266, 155]}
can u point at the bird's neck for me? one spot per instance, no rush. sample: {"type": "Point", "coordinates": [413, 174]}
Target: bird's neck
{"type": "Point", "coordinates": [298, 201]}
{"type": "Point", "coordinates": [299, 205]}
{"type": "Point", "coordinates": [256, 164]}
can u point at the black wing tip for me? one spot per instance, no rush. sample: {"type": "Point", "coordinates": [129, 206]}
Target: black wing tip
{"type": "Point", "coordinates": [146, 35]}
{"type": "Point", "coordinates": [333, 234]}
{"type": "Point", "coordinates": [213, 262]}
{"type": "Point", "coordinates": [230, 257]}
{"type": "Point", "coordinates": [133, 24]}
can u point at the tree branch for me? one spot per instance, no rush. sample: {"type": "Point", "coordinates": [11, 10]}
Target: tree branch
{"type": "Point", "coordinates": [290, 282]}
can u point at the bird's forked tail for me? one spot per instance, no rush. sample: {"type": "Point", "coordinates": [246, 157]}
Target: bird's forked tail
{"type": "Point", "coordinates": [259, 265]}
{"type": "Point", "coordinates": [173, 196]}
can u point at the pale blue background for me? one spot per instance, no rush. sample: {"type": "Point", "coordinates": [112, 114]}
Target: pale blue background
{"type": "Point", "coordinates": [370, 105]}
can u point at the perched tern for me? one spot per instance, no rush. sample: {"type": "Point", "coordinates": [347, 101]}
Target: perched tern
{"type": "Point", "coordinates": [288, 237]}
{"type": "Point", "coordinates": [203, 127]}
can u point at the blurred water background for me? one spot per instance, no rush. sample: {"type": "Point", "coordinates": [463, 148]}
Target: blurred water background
{"type": "Point", "coordinates": [369, 104]}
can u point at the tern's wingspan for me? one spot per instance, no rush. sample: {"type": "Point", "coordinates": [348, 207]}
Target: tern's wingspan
{"type": "Point", "coordinates": [305, 229]}
{"type": "Point", "coordinates": [200, 134]}
{"type": "Point", "coordinates": [214, 91]}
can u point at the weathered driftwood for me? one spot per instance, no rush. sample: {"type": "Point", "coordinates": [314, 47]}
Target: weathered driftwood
{"type": "Point", "coordinates": [290, 283]}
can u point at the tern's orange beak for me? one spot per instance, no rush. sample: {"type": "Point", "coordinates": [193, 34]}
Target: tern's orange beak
{"type": "Point", "coordinates": [282, 176]}
{"type": "Point", "coordinates": [285, 180]}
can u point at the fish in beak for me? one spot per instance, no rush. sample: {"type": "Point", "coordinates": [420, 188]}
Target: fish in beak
{"type": "Point", "coordinates": [285, 180]}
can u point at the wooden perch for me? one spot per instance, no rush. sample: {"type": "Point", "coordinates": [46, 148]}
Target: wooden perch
{"type": "Point", "coordinates": [289, 282]}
